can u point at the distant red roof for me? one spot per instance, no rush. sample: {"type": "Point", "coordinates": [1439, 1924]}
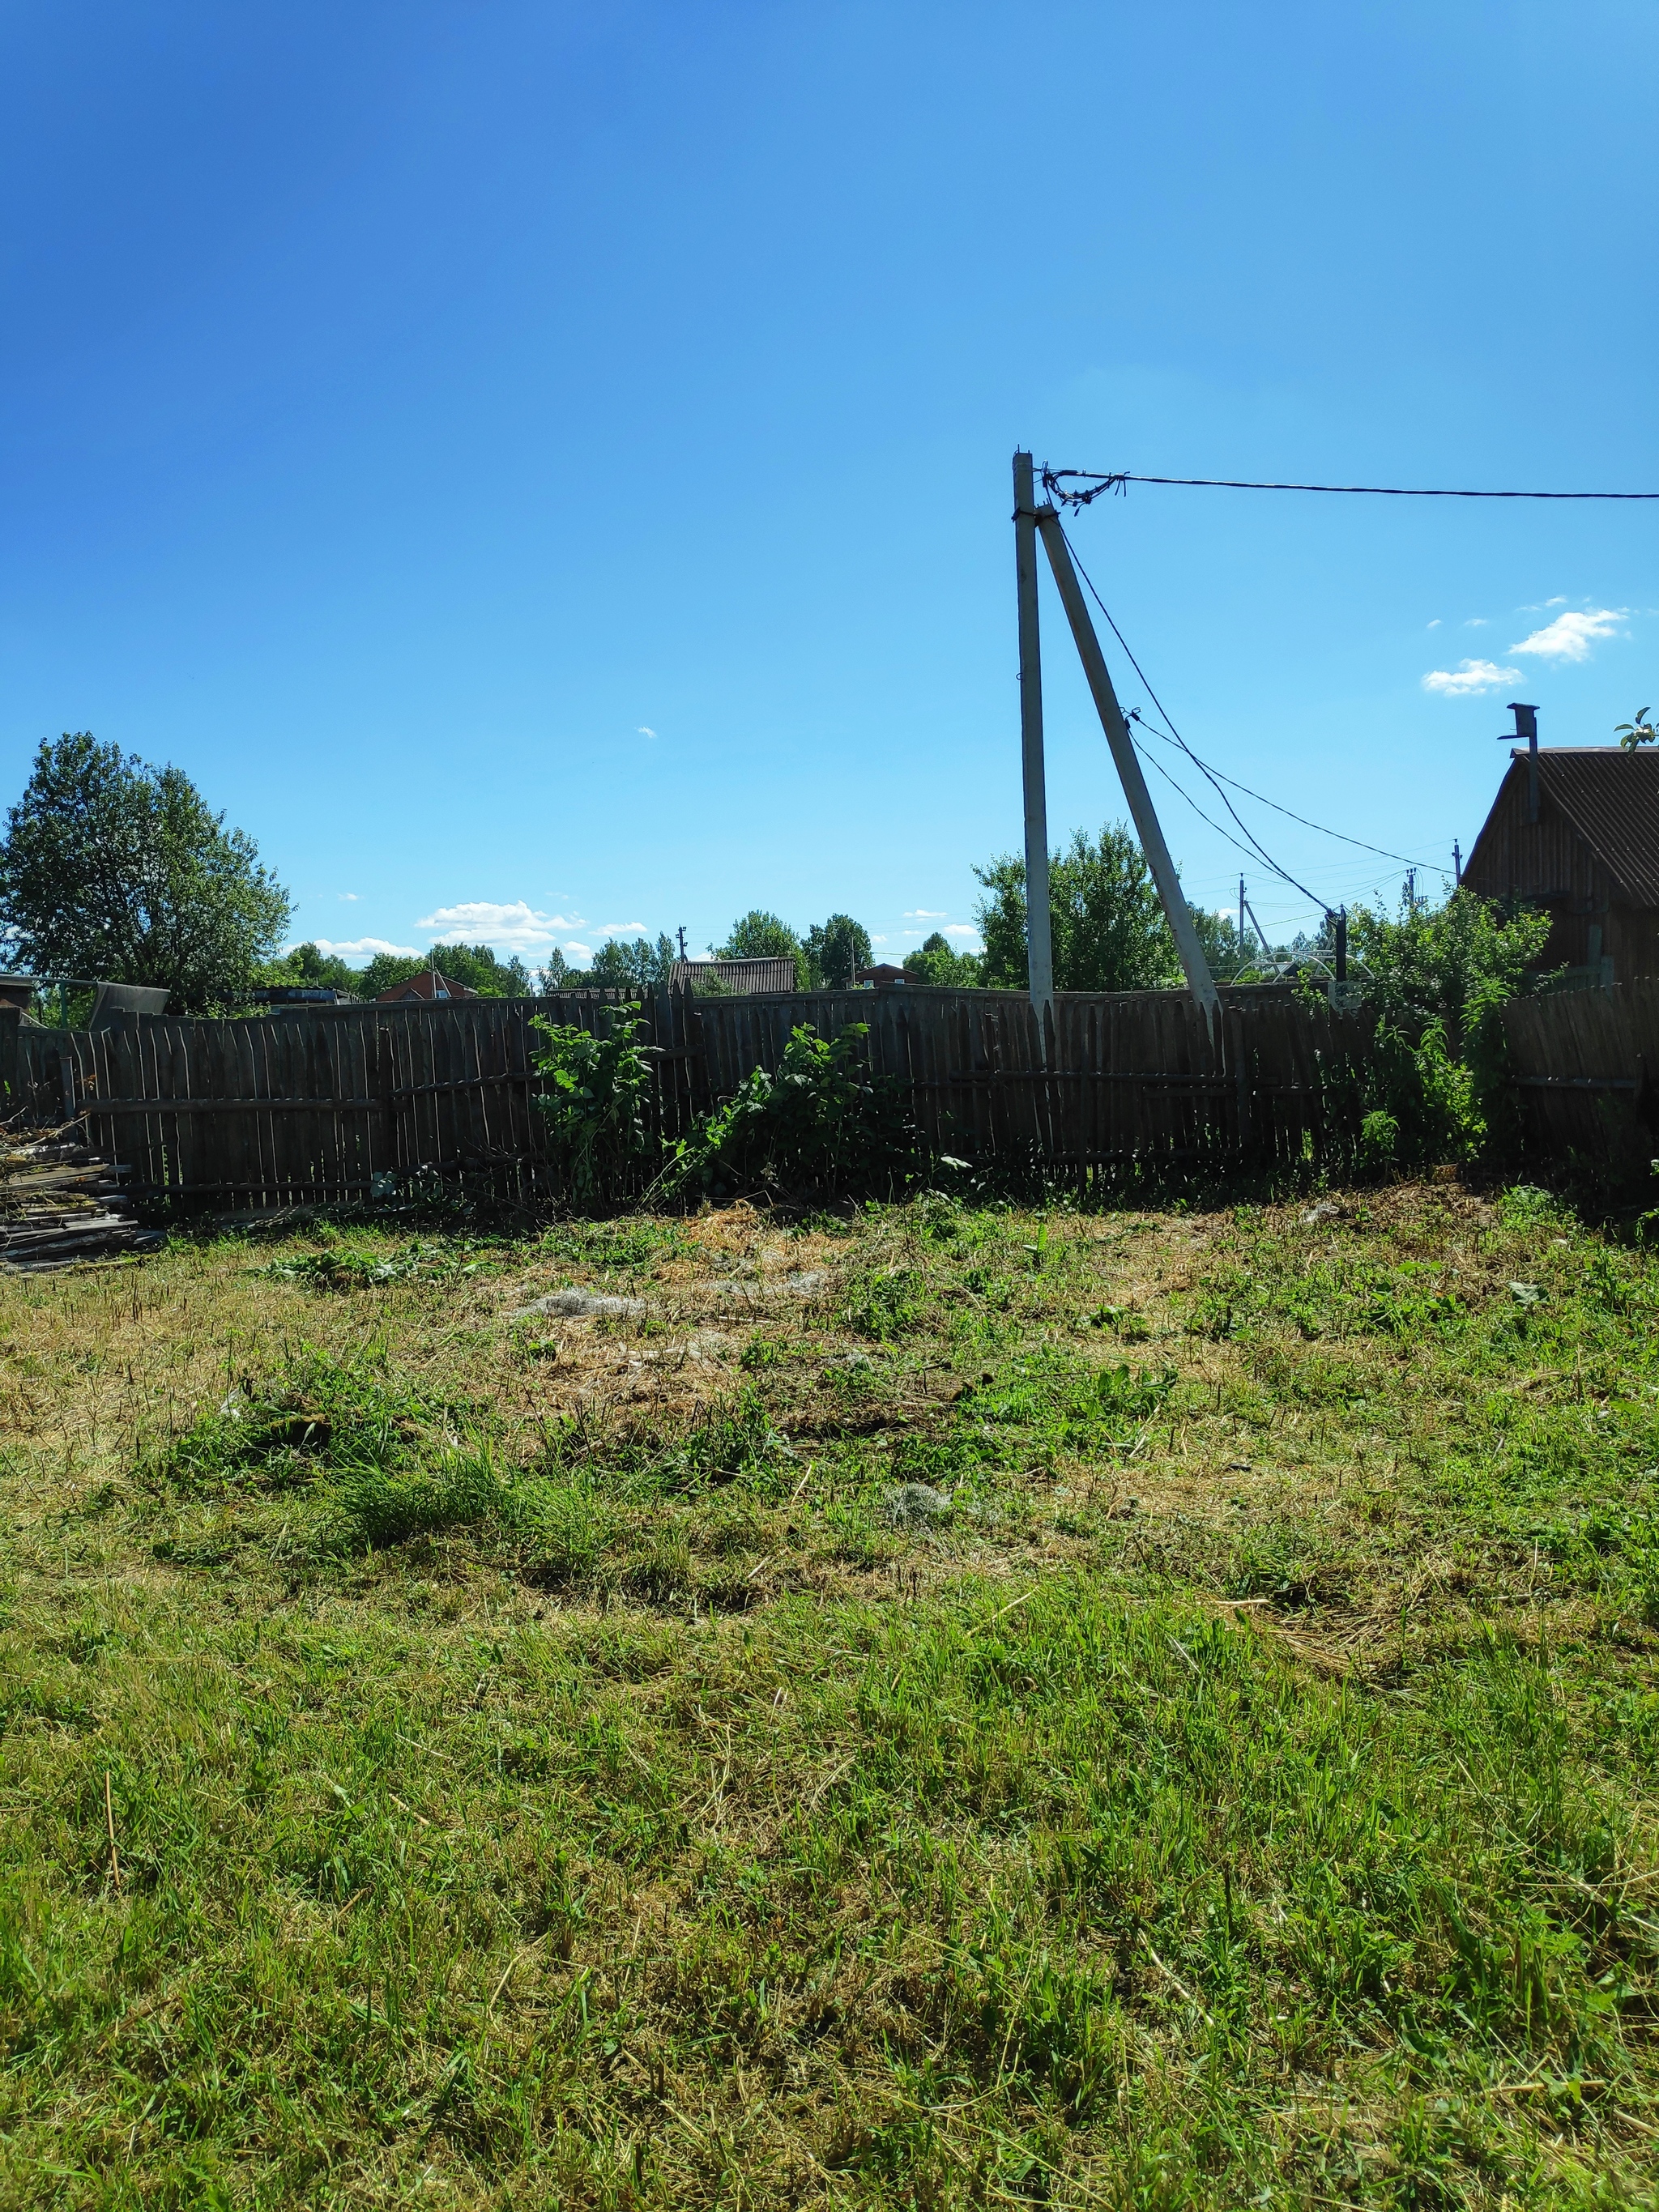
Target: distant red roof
{"type": "Point", "coordinates": [430, 983]}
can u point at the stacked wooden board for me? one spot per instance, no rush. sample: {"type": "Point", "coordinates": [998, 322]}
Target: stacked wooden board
{"type": "Point", "coordinates": [61, 1205]}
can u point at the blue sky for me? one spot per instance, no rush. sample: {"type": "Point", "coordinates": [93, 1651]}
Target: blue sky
{"type": "Point", "coordinates": [545, 470]}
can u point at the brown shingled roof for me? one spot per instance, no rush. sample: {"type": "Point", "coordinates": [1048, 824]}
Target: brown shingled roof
{"type": "Point", "coordinates": [1612, 799]}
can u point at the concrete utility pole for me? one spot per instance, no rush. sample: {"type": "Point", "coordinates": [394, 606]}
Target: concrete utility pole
{"type": "Point", "coordinates": [682, 938]}
{"type": "Point", "coordinates": [1200, 981]}
{"type": "Point", "coordinates": [1457, 862]}
{"type": "Point", "coordinates": [1039, 953]}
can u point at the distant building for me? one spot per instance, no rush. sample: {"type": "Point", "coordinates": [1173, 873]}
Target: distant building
{"type": "Point", "coordinates": [742, 977]}
{"type": "Point", "coordinates": [304, 995]}
{"type": "Point", "coordinates": [1591, 859]}
{"type": "Point", "coordinates": [429, 985]}
{"type": "Point", "coordinates": [884, 975]}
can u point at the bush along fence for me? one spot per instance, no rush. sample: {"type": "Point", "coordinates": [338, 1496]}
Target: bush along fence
{"type": "Point", "coordinates": [604, 1097]}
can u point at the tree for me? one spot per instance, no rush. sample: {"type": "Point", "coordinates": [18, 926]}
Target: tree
{"type": "Point", "coordinates": [618, 966]}
{"type": "Point", "coordinates": [1452, 964]}
{"type": "Point", "coordinates": [311, 967]}
{"type": "Point", "coordinates": [475, 967]}
{"type": "Point", "coordinates": [835, 951]}
{"type": "Point", "coordinates": [1639, 731]}
{"type": "Point", "coordinates": [760, 936]}
{"type": "Point", "coordinates": [116, 871]}
{"type": "Point", "coordinates": [1107, 924]}
{"type": "Point", "coordinates": [934, 962]}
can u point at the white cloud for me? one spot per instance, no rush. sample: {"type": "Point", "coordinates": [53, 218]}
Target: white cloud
{"type": "Point", "coordinates": [1435, 624]}
{"type": "Point", "coordinates": [580, 951]}
{"type": "Point", "coordinates": [959, 929]}
{"type": "Point", "coordinates": [1469, 676]}
{"type": "Point", "coordinates": [1571, 636]}
{"type": "Point", "coordinates": [643, 732]}
{"type": "Point", "coordinates": [622, 929]}
{"type": "Point", "coordinates": [350, 896]}
{"type": "Point", "coordinates": [925, 913]}
{"type": "Point", "coordinates": [1476, 622]}
{"type": "Point", "coordinates": [509, 923]}
{"type": "Point", "coordinates": [364, 948]}
{"type": "Point", "coordinates": [878, 940]}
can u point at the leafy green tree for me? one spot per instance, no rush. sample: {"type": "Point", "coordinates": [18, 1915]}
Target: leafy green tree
{"type": "Point", "coordinates": [835, 951]}
{"type": "Point", "coordinates": [112, 869]}
{"type": "Point", "coordinates": [474, 966]}
{"type": "Point", "coordinates": [310, 968]}
{"type": "Point", "coordinates": [934, 961]}
{"type": "Point", "coordinates": [1437, 976]}
{"type": "Point", "coordinates": [620, 966]}
{"type": "Point", "coordinates": [1639, 731]}
{"type": "Point", "coordinates": [760, 936]}
{"type": "Point", "coordinates": [1107, 924]}
{"type": "Point", "coordinates": [1454, 963]}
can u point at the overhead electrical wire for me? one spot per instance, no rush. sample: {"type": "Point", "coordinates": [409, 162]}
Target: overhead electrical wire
{"type": "Point", "coordinates": [1267, 857]}
{"type": "Point", "coordinates": [1216, 778]}
{"type": "Point", "coordinates": [1119, 480]}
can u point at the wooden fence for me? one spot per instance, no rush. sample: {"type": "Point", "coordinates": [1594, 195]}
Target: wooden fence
{"type": "Point", "coordinates": [337, 1103]}
{"type": "Point", "coordinates": [1585, 1067]}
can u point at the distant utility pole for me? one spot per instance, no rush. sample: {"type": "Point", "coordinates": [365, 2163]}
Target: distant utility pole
{"type": "Point", "coordinates": [1525, 726]}
{"type": "Point", "coordinates": [1039, 953]}
{"type": "Point", "coordinates": [1241, 921]}
{"type": "Point", "coordinates": [1457, 862]}
{"type": "Point", "coordinates": [682, 938]}
{"type": "Point", "coordinates": [1342, 945]}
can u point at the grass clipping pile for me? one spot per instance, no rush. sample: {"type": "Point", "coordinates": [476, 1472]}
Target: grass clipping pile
{"type": "Point", "coordinates": [929, 1706]}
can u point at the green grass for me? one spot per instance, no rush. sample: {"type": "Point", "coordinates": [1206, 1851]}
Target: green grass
{"type": "Point", "coordinates": [452, 1759]}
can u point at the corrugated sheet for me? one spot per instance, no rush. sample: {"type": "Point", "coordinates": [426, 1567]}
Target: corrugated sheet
{"type": "Point", "coordinates": [746, 976]}
{"type": "Point", "coordinates": [1612, 799]}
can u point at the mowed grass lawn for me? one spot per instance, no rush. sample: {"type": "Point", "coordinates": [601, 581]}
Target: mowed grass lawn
{"type": "Point", "coordinates": [939, 1706]}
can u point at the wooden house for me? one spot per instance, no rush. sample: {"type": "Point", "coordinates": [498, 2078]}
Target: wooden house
{"type": "Point", "coordinates": [1591, 858]}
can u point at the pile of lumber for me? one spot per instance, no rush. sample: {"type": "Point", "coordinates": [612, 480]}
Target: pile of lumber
{"type": "Point", "coordinates": [61, 1205]}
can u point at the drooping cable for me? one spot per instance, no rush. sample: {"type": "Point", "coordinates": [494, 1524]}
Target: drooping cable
{"type": "Point", "coordinates": [1260, 850]}
{"type": "Point", "coordinates": [1119, 480]}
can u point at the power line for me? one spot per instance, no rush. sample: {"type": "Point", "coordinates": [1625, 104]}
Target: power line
{"type": "Point", "coordinates": [1055, 481]}
{"type": "Point", "coordinates": [1215, 775]}
{"type": "Point", "coordinates": [1266, 857]}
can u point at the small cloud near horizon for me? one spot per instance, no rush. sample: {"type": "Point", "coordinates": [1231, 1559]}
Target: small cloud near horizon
{"type": "Point", "coordinates": [926, 913]}
{"type": "Point", "coordinates": [511, 924]}
{"type": "Point", "coordinates": [360, 948]}
{"type": "Point", "coordinates": [1469, 676]}
{"type": "Point", "coordinates": [622, 929]}
{"type": "Point", "coordinates": [581, 951]}
{"type": "Point", "coordinates": [960, 929]}
{"type": "Point", "coordinates": [1571, 636]}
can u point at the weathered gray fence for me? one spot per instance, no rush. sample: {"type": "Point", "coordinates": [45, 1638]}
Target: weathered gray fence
{"type": "Point", "coordinates": [1585, 1066]}
{"type": "Point", "coordinates": [326, 1102]}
